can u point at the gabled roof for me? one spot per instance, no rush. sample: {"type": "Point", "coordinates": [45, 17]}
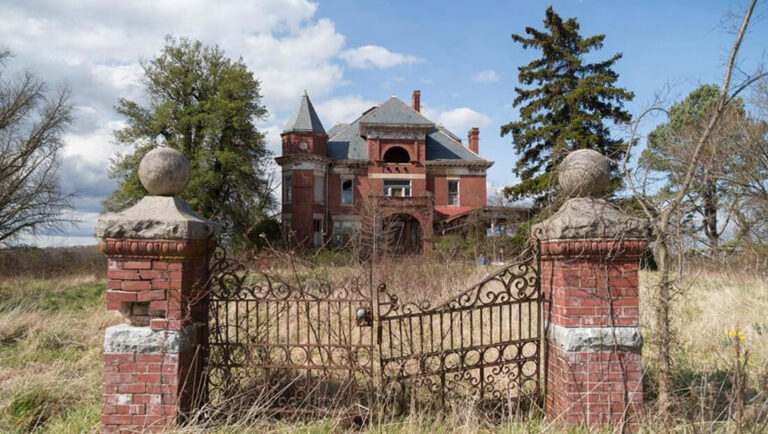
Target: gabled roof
{"type": "Point", "coordinates": [395, 112]}
{"type": "Point", "coordinates": [304, 119]}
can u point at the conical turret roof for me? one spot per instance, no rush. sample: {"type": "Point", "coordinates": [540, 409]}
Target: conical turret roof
{"type": "Point", "coordinates": [304, 119]}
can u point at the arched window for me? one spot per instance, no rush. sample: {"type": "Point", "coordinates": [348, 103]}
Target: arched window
{"type": "Point", "coordinates": [396, 155]}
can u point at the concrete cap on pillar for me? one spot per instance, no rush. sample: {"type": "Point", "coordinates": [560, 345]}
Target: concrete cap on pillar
{"type": "Point", "coordinates": [582, 176]}
{"type": "Point", "coordinates": [165, 173]}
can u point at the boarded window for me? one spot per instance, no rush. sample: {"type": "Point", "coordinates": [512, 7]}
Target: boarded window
{"type": "Point", "coordinates": [287, 188]}
{"type": "Point", "coordinates": [318, 235]}
{"type": "Point", "coordinates": [453, 192]}
{"type": "Point", "coordinates": [318, 189]}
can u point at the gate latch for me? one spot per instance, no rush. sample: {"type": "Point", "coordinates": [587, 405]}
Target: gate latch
{"type": "Point", "coordinates": [364, 317]}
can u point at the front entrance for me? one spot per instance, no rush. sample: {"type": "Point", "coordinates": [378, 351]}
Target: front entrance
{"type": "Point", "coordinates": [403, 235]}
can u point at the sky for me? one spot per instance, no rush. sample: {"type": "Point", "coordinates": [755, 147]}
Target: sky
{"type": "Point", "coordinates": [349, 56]}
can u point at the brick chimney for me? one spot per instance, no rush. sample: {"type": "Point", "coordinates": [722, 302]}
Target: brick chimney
{"type": "Point", "coordinates": [416, 100]}
{"type": "Point", "coordinates": [474, 140]}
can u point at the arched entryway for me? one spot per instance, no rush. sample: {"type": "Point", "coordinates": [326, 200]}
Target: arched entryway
{"type": "Point", "coordinates": [403, 234]}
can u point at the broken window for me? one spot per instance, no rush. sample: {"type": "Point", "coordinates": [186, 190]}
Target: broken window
{"type": "Point", "coordinates": [453, 192]}
{"type": "Point", "coordinates": [397, 187]}
{"type": "Point", "coordinates": [347, 191]}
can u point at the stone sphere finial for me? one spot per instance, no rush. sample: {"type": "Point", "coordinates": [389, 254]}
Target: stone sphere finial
{"type": "Point", "coordinates": [584, 173]}
{"type": "Point", "coordinates": [164, 172]}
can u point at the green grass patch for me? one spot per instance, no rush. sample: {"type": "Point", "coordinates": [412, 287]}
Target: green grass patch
{"type": "Point", "coordinates": [50, 295]}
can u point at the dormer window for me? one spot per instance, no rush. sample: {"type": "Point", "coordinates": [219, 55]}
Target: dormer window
{"type": "Point", "coordinates": [396, 155]}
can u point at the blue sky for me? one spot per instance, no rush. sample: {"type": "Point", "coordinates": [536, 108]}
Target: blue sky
{"type": "Point", "coordinates": [350, 55]}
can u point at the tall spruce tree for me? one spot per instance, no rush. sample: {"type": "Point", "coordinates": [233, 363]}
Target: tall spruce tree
{"type": "Point", "coordinates": [568, 107]}
{"type": "Point", "coordinates": [203, 105]}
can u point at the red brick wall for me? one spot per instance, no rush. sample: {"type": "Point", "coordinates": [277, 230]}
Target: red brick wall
{"type": "Point", "coordinates": [591, 293]}
{"type": "Point", "coordinates": [147, 392]}
{"type": "Point", "coordinates": [472, 190]}
{"type": "Point", "coordinates": [592, 283]}
{"type": "Point", "coordinates": [159, 283]}
{"type": "Point", "coordinates": [168, 286]}
{"type": "Point", "coordinates": [317, 143]}
{"type": "Point", "coordinates": [302, 205]}
{"type": "Point", "coordinates": [594, 387]}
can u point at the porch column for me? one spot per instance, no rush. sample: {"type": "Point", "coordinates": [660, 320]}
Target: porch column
{"type": "Point", "coordinates": [158, 252]}
{"type": "Point", "coordinates": [589, 274]}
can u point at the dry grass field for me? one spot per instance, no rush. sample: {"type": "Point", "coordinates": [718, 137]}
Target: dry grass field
{"type": "Point", "coordinates": [51, 332]}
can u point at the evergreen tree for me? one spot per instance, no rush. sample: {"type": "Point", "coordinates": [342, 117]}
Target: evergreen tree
{"type": "Point", "coordinates": [567, 108]}
{"type": "Point", "coordinates": [203, 105]}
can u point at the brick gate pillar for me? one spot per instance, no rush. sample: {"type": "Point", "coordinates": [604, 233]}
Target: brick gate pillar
{"type": "Point", "coordinates": [158, 253]}
{"type": "Point", "coordinates": [589, 275]}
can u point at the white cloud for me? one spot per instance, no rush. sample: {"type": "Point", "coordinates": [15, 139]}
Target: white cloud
{"type": "Point", "coordinates": [373, 56]}
{"type": "Point", "coordinates": [343, 109]}
{"type": "Point", "coordinates": [96, 47]}
{"type": "Point", "coordinates": [458, 120]}
{"type": "Point", "coordinates": [486, 76]}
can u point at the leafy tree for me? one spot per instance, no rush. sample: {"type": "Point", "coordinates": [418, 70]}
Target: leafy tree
{"type": "Point", "coordinates": [567, 107]}
{"type": "Point", "coordinates": [670, 146]}
{"type": "Point", "coordinates": [203, 105]}
{"type": "Point", "coordinates": [32, 120]}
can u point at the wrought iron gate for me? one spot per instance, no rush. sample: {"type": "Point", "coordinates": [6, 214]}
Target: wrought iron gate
{"type": "Point", "coordinates": [288, 345]}
{"type": "Point", "coordinates": [306, 346]}
{"type": "Point", "coordinates": [482, 345]}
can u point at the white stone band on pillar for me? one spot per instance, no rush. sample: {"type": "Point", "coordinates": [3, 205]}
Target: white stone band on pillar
{"type": "Point", "coordinates": [125, 338]}
{"type": "Point", "coordinates": [594, 338]}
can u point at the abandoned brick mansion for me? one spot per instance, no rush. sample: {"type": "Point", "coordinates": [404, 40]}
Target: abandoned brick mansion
{"type": "Point", "coordinates": [391, 161]}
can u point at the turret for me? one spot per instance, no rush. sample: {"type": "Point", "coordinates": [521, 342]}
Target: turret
{"type": "Point", "coordinates": [304, 133]}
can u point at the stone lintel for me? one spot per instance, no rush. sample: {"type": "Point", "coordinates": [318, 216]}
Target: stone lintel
{"type": "Point", "coordinates": [576, 339]}
{"type": "Point", "coordinates": [157, 218]}
{"type": "Point", "coordinates": [126, 338]}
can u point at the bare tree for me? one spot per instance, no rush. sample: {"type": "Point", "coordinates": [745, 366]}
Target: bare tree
{"type": "Point", "coordinates": [662, 214]}
{"type": "Point", "coordinates": [32, 120]}
{"type": "Point", "coordinates": [749, 180]}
